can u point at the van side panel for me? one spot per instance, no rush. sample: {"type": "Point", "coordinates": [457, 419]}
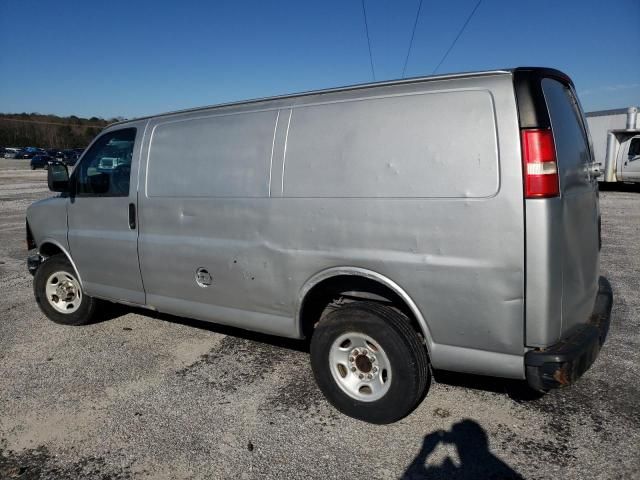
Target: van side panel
{"type": "Point", "coordinates": [460, 258]}
{"type": "Point", "coordinates": [544, 271]}
{"type": "Point", "coordinates": [394, 147]}
{"type": "Point", "coordinates": [224, 155]}
{"type": "Point", "coordinates": [452, 239]}
{"type": "Point", "coordinates": [205, 205]}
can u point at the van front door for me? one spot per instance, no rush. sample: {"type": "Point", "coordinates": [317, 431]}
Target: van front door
{"type": "Point", "coordinates": [630, 160]}
{"type": "Point", "coordinates": [103, 235]}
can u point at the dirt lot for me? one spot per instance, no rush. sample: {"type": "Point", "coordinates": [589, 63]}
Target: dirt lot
{"type": "Point", "coordinates": [152, 396]}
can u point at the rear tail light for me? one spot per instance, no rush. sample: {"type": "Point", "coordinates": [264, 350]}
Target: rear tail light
{"type": "Point", "coordinates": [539, 163]}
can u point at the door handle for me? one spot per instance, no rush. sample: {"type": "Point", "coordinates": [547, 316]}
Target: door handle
{"type": "Point", "coordinates": [132, 216]}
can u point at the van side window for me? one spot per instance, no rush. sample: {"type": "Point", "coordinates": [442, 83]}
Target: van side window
{"type": "Point", "coordinates": [634, 148]}
{"type": "Point", "coordinates": [105, 170]}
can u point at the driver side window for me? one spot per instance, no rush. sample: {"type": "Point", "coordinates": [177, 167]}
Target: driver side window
{"type": "Point", "coordinates": [634, 148]}
{"type": "Point", "coordinates": [105, 170]}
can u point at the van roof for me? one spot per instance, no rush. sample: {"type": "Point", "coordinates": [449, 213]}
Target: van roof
{"type": "Point", "coordinates": [359, 86]}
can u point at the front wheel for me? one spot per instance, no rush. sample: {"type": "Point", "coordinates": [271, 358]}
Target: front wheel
{"type": "Point", "coordinates": [369, 362]}
{"type": "Point", "coordinates": [59, 293]}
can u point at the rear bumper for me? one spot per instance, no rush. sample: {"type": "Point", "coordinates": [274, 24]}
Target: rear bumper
{"type": "Point", "coordinates": [566, 361]}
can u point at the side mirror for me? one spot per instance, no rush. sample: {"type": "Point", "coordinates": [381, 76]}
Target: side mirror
{"type": "Point", "coordinates": [58, 177]}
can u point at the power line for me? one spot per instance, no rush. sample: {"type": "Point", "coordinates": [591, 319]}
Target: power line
{"type": "Point", "coordinates": [415, 23]}
{"type": "Point", "coordinates": [52, 123]}
{"type": "Point", "coordinates": [366, 28]}
{"type": "Point", "coordinates": [455, 40]}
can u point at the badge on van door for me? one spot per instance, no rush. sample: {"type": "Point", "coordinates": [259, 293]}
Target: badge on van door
{"type": "Point", "coordinates": [203, 277]}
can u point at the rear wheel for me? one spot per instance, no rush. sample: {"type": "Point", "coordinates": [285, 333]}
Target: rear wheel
{"type": "Point", "coordinates": [59, 294]}
{"type": "Point", "coordinates": [369, 362]}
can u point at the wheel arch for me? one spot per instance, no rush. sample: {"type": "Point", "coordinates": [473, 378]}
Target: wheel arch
{"type": "Point", "coordinates": [49, 247]}
{"type": "Point", "coordinates": [332, 280]}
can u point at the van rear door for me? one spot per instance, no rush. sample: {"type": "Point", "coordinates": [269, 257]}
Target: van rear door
{"type": "Point", "coordinates": [579, 200]}
{"type": "Point", "coordinates": [561, 207]}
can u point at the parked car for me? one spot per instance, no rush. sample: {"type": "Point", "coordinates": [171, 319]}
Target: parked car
{"type": "Point", "coordinates": [41, 161]}
{"type": "Point", "coordinates": [30, 152]}
{"type": "Point", "coordinates": [54, 153]}
{"type": "Point", "coordinates": [70, 161]}
{"type": "Point", "coordinates": [447, 222]}
{"type": "Point", "coordinates": [11, 152]}
{"type": "Point", "coordinates": [70, 157]}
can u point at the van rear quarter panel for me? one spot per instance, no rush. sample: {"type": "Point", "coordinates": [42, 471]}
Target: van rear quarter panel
{"type": "Point", "coordinates": [453, 239]}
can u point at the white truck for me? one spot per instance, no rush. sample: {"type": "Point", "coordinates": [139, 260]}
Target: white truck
{"type": "Point", "coordinates": [616, 143]}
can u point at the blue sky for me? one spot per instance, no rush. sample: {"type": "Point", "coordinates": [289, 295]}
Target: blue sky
{"type": "Point", "coordinates": [132, 58]}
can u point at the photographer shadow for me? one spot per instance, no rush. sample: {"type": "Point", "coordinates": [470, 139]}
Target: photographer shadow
{"type": "Point", "coordinates": [472, 445]}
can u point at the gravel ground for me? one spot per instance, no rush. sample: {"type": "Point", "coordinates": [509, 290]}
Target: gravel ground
{"type": "Point", "coordinates": [152, 396]}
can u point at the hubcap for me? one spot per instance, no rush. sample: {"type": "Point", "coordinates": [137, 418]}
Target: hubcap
{"type": "Point", "coordinates": [63, 292]}
{"type": "Point", "coordinates": [360, 366]}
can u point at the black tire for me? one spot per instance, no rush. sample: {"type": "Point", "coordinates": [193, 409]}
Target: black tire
{"type": "Point", "coordinates": [59, 263]}
{"type": "Point", "coordinates": [406, 353]}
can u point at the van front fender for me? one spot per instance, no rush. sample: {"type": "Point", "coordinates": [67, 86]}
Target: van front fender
{"type": "Point", "coordinates": [49, 247]}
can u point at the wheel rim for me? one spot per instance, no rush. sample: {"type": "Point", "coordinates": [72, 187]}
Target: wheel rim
{"type": "Point", "coordinates": [63, 292]}
{"type": "Point", "coordinates": [360, 366]}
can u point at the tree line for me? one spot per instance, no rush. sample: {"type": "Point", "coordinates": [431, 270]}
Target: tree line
{"type": "Point", "coordinates": [49, 131]}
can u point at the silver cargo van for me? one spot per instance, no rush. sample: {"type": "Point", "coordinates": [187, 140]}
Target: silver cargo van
{"type": "Point", "coordinates": [447, 222]}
